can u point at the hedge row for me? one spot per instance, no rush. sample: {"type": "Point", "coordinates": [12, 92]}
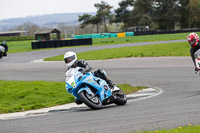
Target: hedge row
{"type": "Point", "coordinates": [156, 32]}
{"type": "Point", "coordinates": [17, 38]}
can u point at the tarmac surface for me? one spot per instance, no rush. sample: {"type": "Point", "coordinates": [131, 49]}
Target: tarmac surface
{"type": "Point", "coordinates": [177, 105]}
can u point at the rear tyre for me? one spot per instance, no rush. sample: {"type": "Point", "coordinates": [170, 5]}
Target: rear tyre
{"type": "Point", "coordinates": [4, 54]}
{"type": "Point", "coordinates": [1, 54]}
{"type": "Point", "coordinates": [120, 98]}
{"type": "Point", "coordinates": [91, 101]}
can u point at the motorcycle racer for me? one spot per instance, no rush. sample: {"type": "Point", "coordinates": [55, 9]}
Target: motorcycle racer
{"type": "Point", "coordinates": [193, 40]}
{"type": "Point", "coordinates": [4, 44]}
{"type": "Point", "coordinates": [2, 49]}
{"type": "Point", "coordinates": [71, 61]}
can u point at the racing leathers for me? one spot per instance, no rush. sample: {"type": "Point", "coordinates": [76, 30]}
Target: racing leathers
{"type": "Point", "coordinates": [192, 51]}
{"type": "Point", "coordinates": [5, 49]}
{"type": "Point", "coordinates": [87, 68]}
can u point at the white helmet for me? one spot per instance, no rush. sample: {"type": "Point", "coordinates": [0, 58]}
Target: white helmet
{"type": "Point", "coordinates": [70, 58]}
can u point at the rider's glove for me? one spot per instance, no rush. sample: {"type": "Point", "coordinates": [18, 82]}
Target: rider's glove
{"type": "Point", "coordinates": [83, 71]}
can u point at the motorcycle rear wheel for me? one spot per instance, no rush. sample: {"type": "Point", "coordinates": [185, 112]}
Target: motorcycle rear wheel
{"type": "Point", "coordinates": [1, 54]}
{"type": "Point", "coordinates": [91, 101]}
{"type": "Point", "coordinates": [121, 98]}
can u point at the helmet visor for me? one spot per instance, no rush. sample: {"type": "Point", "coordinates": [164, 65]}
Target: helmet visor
{"type": "Point", "coordinates": [192, 42]}
{"type": "Point", "coordinates": [69, 59]}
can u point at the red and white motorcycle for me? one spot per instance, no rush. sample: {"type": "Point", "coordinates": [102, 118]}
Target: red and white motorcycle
{"type": "Point", "coordinates": [197, 60]}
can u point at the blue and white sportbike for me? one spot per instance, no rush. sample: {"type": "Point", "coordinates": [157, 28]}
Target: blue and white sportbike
{"type": "Point", "coordinates": [91, 90]}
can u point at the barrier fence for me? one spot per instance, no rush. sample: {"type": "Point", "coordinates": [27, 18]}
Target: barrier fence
{"type": "Point", "coordinates": [60, 43]}
{"type": "Point", "coordinates": [105, 35]}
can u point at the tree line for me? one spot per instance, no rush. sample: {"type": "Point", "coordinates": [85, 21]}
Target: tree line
{"type": "Point", "coordinates": [156, 14]}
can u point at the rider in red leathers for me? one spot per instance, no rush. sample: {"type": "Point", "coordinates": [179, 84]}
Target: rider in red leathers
{"type": "Point", "coordinates": [193, 40]}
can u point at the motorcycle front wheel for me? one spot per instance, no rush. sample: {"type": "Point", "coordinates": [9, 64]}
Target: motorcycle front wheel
{"type": "Point", "coordinates": [91, 101]}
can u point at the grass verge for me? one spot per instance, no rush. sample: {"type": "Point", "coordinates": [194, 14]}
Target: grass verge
{"type": "Point", "coordinates": [27, 95]}
{"type": "Point", "coordinates": [25, 46]}
{"type": "Point", "coordinates": [155, 50]}
{"type": "Point", "coordinates": [185, 129]}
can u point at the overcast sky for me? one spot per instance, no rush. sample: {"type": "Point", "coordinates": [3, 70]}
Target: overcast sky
{"type": "Point", "coordinates": [23, 8]}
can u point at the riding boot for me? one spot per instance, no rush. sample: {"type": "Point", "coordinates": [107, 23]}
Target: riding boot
{"type": "Point", "coordinates": [77, 101]}
{"type": "Point", "coordinates": [110, 83]}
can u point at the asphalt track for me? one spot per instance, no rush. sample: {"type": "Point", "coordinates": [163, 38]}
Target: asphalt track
{"type": "Point", "coordinates": [178, 105]}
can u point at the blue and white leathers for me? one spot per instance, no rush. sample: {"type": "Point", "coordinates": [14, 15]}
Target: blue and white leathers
{"type": "Point", "coordinates": [76, 82]}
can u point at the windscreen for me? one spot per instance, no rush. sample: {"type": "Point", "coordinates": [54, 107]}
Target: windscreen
{"type": "Point", "coordinates": [197, 54]}
{"type": "Point", "coordinates": [69, 73]}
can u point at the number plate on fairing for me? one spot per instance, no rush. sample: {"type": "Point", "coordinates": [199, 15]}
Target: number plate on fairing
{"type": "Point", "coordinates": [71, 82]}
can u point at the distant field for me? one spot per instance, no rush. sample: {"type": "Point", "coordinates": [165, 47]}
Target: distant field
{"type": "Point", "coordinates": [24, 46]}
{"type": "Point", "coordinates": [19, 46]}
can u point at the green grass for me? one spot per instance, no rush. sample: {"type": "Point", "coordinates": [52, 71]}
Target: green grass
{"type": "Point", "coordinates": [185, 129]}
{"type": "Point", "coordinates": [19, 46]}
{"type": "Point", "coordinates": [146, 38]}
{"type": "Point", "coordinates": [25, 46]}
{"type": "Point", "coordinates": [27, 95]}
{"type": "Point", "coordinates": [155, 50]}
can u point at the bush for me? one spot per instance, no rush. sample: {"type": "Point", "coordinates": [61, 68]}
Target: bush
{"type": "Point", "coordinates": [17, 38]}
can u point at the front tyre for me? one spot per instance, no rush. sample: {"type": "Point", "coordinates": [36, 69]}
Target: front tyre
{"type": "Point", "coordinates": [91, 101]}
{"type": "Point", "coordinates": [120, 98]}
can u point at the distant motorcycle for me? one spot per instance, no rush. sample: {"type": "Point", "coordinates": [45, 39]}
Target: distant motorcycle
{"type": "Point", "coordinates": [2, 51]}
{"type": "Point", "coordinates": [197, 60]}
{"type": "Point", "coordinates": [91, 90]}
